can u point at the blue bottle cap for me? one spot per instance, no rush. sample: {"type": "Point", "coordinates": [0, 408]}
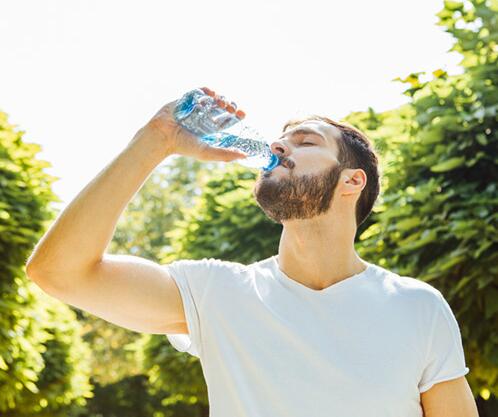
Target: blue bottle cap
{"type": "Point", "coordinates": [274, 162]}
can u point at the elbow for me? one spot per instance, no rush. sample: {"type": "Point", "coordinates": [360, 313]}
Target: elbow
{"type": "Point", "coordinates": [30, 270]}
{"type": "Point", "coordinates": [43, 280]}
{"type": "Point", "coordinates": [39, 268]}
{"type": "Point", "coordinates": [31, 267]}
{"type": "Point", "coordinates": [33, 273]}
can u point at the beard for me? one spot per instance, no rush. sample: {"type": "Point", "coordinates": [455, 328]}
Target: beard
{"type": "Point", "coordinates": [292, 198]}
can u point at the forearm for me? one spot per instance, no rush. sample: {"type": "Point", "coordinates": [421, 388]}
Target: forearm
{"type": "Point", "coordinates": [80, 235]}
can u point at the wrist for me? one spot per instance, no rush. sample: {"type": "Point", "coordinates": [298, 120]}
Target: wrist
{"type": "Point", "coordinates": [155, 143]}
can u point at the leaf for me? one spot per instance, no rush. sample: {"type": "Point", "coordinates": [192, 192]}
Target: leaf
{"type": "Point", "coordinates": [484, 281]}
{"type": "Point", "coordinates": [464, 281]}
{"type": "Point", "coordinates": [428, 136]}
{"type": "Point", "coordinates": [453, 5]}
{"type": "Point", "coordinates": [490, 302]}
{"type": "Point", "coordinates": [439, 73]}
{"type": "Point", "coordinates": [32, 387]}
{"type": "Point", "coordinates": [481, 138]}
{"type": "Point", "coordinates": [449, 164]}
{"type": "Point", "coordinates": [3, 364]}
{"type": "Point", "coordinates": [408, 223]}
{"type": "Point", "coordinates": [428, 236]}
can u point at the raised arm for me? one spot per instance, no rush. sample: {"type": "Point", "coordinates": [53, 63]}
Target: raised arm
{"type": "Point", "coordinates": [70, 262]}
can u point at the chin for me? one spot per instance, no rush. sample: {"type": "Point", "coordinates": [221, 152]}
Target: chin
{"type": "Point", "coordinates": [265, 174]}
{"type": "Point", "coordinates": [277, 169]}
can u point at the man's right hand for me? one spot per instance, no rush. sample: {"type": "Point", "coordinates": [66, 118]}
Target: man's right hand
{"type": "Point", "coordinates": [177, 140]}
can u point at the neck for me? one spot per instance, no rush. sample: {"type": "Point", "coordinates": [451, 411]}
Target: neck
{"type": "Point", "coordinates": [319, 252]}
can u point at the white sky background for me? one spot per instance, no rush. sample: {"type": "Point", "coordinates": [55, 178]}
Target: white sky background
{"type": "Point", "coordinates": [81, 77]}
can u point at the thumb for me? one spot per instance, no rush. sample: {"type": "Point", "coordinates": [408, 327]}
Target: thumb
{"type": "Point", "coordinates": [222, 154]}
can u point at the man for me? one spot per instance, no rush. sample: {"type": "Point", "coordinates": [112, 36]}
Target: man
{"type": "Point", "coordinates": [313, 331]}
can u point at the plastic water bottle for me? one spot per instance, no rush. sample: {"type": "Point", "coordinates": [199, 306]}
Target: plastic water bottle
{"type": "Point", "coordinates": [200, 112]}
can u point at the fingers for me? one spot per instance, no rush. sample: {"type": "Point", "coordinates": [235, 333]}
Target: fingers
{"type": "Point", "coordinates": [211, 153]}
{"type": "Point", "coordinates": [229, 106]}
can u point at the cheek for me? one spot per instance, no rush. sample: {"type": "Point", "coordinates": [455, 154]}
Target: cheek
{"type": "Point", "coordinates": [312, 163]}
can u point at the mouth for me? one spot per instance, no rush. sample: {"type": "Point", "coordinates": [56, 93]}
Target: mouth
{"type": "Point", "coordinates": [277, 168]}
{"type": "Point", "coordinates": [287, 163]}
{"type": "Point", "coordinates": [269, 174]}
{"type": "Point", "coordinates": [283, 163]}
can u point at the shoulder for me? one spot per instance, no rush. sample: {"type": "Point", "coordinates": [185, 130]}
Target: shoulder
{"type": "Point", "coordinates": [206, 269]}
{"type": "Point", "coordinates": [409, 289]}
{"type": "Point", "coordinates": [207, 263]}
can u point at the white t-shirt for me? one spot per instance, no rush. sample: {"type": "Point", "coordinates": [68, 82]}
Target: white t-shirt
{"type": "Point", "coordinates": [271, 347]}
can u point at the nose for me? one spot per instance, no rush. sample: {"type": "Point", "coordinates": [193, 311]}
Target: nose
{"type": "Point", "coordinates": [280, 149]}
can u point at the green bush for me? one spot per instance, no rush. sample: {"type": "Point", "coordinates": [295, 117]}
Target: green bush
{"type": "Point", "coordinates": [41, 354]}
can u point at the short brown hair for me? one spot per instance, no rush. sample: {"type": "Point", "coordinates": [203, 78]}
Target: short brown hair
{"type": "Point", "coordinates": [355, 151]}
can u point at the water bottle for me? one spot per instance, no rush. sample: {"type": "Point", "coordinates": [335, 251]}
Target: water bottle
{"type": "Point", "coordinates": [201, 113]}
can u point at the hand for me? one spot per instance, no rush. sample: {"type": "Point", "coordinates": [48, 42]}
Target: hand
{"type": "Point", "coordinates": [180, 141]}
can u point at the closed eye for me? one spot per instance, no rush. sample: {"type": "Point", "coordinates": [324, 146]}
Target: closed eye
{"type": "Point", "coordinates": [307, 143]}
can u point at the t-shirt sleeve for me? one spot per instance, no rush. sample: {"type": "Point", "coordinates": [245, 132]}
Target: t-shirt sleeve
{"type": "Point", "coordinates": [192, 278]}
{"type": "Point", "coordinates": [445, 358]}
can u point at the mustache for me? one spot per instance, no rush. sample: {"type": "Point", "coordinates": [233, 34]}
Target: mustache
{"type": "Point", "coordinates": [287, 163]}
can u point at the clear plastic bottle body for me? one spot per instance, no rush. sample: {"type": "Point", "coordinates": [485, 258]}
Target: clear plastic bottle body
{"type": "Point", "coordinates": [199, 113]}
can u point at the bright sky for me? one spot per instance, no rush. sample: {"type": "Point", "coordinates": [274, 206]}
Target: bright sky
{"type": "Point", "coordinates": [81, 77]}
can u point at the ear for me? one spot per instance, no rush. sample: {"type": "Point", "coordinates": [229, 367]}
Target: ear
{"type": "Point", "coordinates": [353, 181]}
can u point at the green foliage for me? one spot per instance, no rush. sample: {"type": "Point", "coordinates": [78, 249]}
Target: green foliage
{"type": "Point", "coordinates": [438, 215]}
{"type": "Point", "coordinates": [474, 26]}
{"type": "Point", "coordinates": [141, 230]}
{"type": "Point", "coordinates": [131, 397]}
{"type": "Point", "coordinates": [63, 385]}
{"type": "Point", "coordinates": [126, 397]}
{"type": "Point", "coordinates": [41, 355]}
{"type": "Point", "coordinates": [116, 351]}
{"type": "Point", "coordinates": [177, 373]}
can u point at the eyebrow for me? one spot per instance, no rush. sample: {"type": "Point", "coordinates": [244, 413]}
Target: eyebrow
{"type": "Point", "coordinates": [303, 130]}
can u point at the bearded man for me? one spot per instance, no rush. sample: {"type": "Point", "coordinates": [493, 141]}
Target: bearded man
{"type": "Point", "coordinates": [311, 331]}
